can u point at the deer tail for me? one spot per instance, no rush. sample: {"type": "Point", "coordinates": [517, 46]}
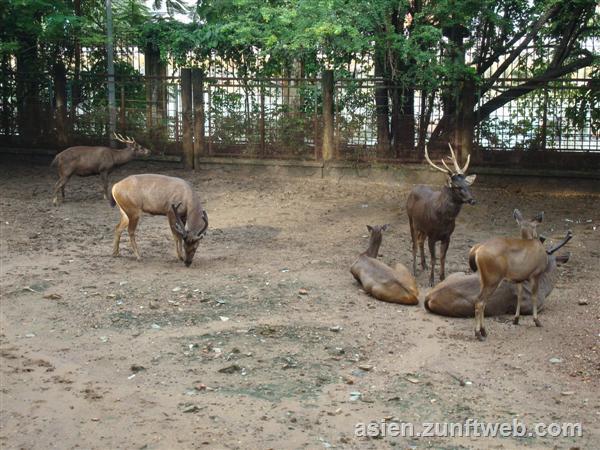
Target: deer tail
{"type": "Point", "coordinates": [54, 161]}
{"type": "Point", "coordinates": [472, 259]}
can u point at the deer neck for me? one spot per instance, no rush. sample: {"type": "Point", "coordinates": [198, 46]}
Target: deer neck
{"type": "Point", "coordinates": [122, 156]}
{"type": "Point", "coordinates": [448, 205]}
{"type": "Point", "coordinates": [373, 249]}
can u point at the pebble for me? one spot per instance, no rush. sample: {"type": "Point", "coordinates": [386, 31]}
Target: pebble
{"type": "Point", "coordinates": [555, 360]}
{"type": "Point", "coordinates": [582, 302]}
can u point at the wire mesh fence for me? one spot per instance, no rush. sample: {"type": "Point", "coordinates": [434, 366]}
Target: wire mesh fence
{"type": "Point", "coordinates": [282, 117]}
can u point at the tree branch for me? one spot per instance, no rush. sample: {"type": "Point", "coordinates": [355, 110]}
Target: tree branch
{"type": "Point", "coordinates": [517, 51]}
{"type": "Point", "coordinates": [535, 83]}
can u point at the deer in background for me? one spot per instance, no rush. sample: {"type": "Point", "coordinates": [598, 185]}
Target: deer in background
{"type": "Point", "coordinates": [432, 214]}
{"type": "Point", "coordinates": [513, 259]}
{"type": "Point", "coordinates": [456, 295]}
{"type": "Point", "coordinates": [395, 285]}
{"type": "Point", "coordinates": [160, 195]}
{"type": "Point", "coordinates": [87, 160]}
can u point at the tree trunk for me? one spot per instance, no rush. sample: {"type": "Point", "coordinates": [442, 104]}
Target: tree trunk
{"type": "Point", "coordinates": [60, 102]}
{"type": "Point", "coordinates": [382, 110]}
{"type": "Point", "coordinates": [27, 84]}
{"type": "Point", "coordinates": [403, 127]}
{"type": "Point", "coordinates": [328, 149]}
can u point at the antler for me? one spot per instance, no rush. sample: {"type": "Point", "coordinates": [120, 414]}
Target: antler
{"type": "Point", "coordinates": [179, 225]}
{"type": "Point", "coordinates": [205, 217]}
{"type": "Point", "coordinates": [448, 171]}
{"type": "Point", "coordinates": [565, 240]}
{"type": "Point", "coordinates": [455, 161]}
{"type": "Point", "coordinates": [125, 140]}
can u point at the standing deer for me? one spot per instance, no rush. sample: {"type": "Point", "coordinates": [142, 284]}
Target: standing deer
{"type": "Point", "coordinates": [456, 295]}
{"type": "Point", "coordinates": [160, 195]}
{"type": "Point", "coordinates": [432, 214]}
{"type": "Point", "coordinates": [86, 161]}
{"type": "Point", "coordinates": [395, 285]}
{"type": "Point", "coordinates": [516, 260]}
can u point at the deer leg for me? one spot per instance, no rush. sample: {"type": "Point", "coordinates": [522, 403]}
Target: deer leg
{"type": "Point", "coordinates": [118, 231]}
{"type": "Point", "coordinates": [104, 179]}
{"type": "Point", "coordinates": [413, 237]}
{"type": "Point", "coordinates": [484, 294]}
{"type": "Point", "coordinates": [421, 238]}
{"type": "Point", "coordinates": [443, 249]}
{"type": "Point", "coordinates": [534, 300]}
{"type": "Point", "coordinates": [133, 222]}
{"type": "Point", "coordinates": [519, 297]}
{"type": "Point", "coordinates": [431, 244]}
{"type": "Point", "coordinates": [176, 237]}
{"type": "Point", "coordinates": [60, 185]}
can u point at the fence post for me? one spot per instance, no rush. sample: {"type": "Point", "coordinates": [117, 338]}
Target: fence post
{"type": "Point", "coordinates": [261, 123]}
{"type": "Point", "coordinates": [198, 97]}
{"type": "Point", "coordinates": [186, 118]}
{"type": "Point", "coordinates": [328, 115]}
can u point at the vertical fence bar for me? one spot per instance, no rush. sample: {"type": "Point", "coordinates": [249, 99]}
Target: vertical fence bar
{"type": "Point", "coordinates": [122, 110]}
{"type": "Point", "coordinates": [112, 111]}
{"type": "Point", "coordinates": [198, 98]}
{"type": "Point", "coordinates": [186, 118]}
{"type": "Point", "coordinates": [261, 122]}
{"type": "Point", "coordinates": [328, 115]}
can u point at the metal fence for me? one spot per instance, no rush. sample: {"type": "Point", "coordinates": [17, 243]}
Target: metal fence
{"type": "Point", "coordinates": [282, 117]}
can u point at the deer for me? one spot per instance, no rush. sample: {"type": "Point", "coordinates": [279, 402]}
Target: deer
{"type": "Point", "coordinates": [93, 160]}
{"type": "Point", "coordinates": [160, 195]}
{"type": "Point", "coordinates": [432, 214]}
{"type": "Point", "coordinates": [514, 259]}
{"type": "Point", "coordinates": [395, 285]}
{"type": "Point", "coordinates": [456, 295]}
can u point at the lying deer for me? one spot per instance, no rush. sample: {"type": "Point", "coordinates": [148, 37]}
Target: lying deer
{"type": "Point", "coordinates": [85, 161]}
{"type": "Point", "coordinates": [432, 214]}
{"type": "Point", "coordinates": [516, 260]}
{"type": "Point", "coordinates": [395, 285]}
{"type": "Point", "coordinates": [160, 195]}
{"type": "Point", "coordinates": [456, 295]}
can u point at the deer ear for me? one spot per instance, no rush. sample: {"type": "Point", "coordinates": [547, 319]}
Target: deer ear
{"type": "Point", "coordinates": [469, 179]}
{"type": "Point", "coordinates": [517, 215]}
{"type": "Point", "coordinates": [385, 227]}
{"type": "Point", "coordinates": [539, 217]}
{"type": "Point", "coordinates": [370, 228]}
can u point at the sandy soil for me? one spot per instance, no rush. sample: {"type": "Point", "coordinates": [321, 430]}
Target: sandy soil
{"type": "Point", "coordinates": [101, 352]}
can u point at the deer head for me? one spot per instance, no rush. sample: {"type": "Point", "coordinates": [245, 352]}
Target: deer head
{"type": "Point", "coordinates": [138, 150]}
{"type": "Point", "coordinates": [528, 227]}
{"type": "Point", "coordinates": [457, 180]}
{"type": "Point", "coordinates": [191, 238]}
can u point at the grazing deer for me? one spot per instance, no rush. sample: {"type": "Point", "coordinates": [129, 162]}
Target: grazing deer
{"type": "Point", "coordinates": [456, 295]}
{"type": "Point", "coordinates": [432, 214]}
{"type": "Point", "coordinates": [160, 195]}
{"type": "Point", "coordinates": [395, 285]}
{"type": "Point", "coordinates": [516, 260]}
{"type": "Point", "coordinates": [85, 161]}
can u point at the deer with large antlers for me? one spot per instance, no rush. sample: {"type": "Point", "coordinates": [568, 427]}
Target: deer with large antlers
{"type": "Point", "coordinates": [432, 214]}
{"type": "Point", "coordinates": [93, 160]}
{"type": "Point", "coordinates": [457, 294]}
{"type": "Point", "coordinates": [395, 285]}
{"type": "Point", "coordinates": [515, 260]}
{"type": "Point", "coordinates": [160, 195]}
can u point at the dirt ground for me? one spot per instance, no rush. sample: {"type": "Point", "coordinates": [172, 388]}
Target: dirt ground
{"type": "Point", "coordinates": [260, 343]}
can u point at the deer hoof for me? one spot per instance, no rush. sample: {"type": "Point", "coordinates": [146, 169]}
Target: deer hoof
{"type": "Point", "coordinates": [537, 322]}
{"type": "Point", "coordinates": [115, 254]}
{"type": "Point", "coordinates": [479, 336]}
{"type": "Point", "coordinates": [516, 321]}
{"type": "Point", "coordinates": [484, 332]}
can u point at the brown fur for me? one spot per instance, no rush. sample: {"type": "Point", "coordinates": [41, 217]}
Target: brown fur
{"type": "Point", "coordinates": [516, 260]}
{"type": "Point", "coordinates": [164, 196]}
{"type": "Point", "coordinates": [85, 161]}
{"type": "Point", "coordinates": [395, 285]}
